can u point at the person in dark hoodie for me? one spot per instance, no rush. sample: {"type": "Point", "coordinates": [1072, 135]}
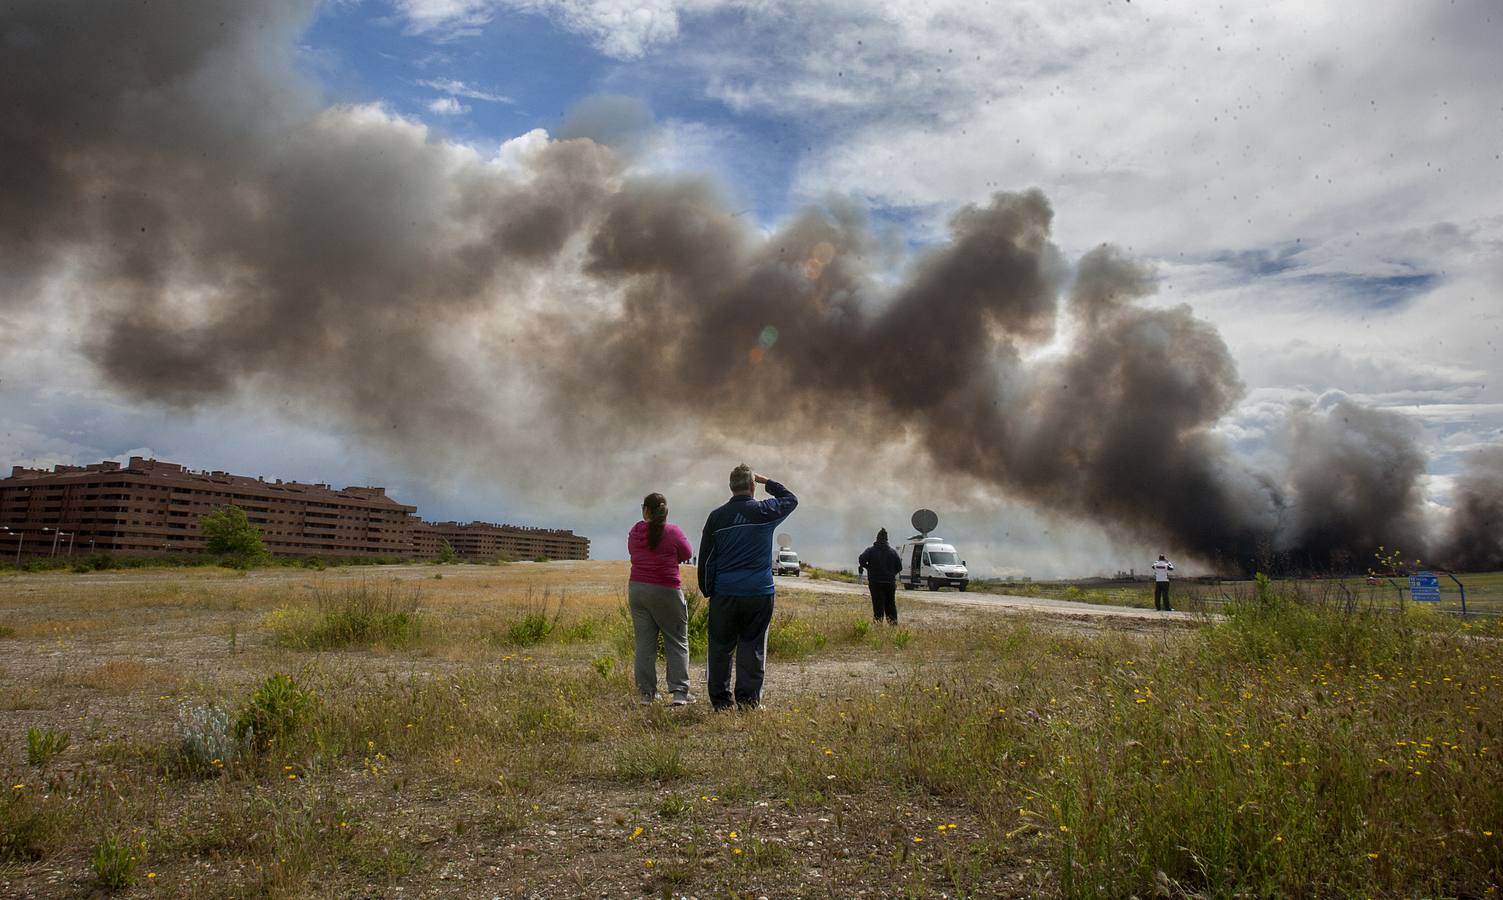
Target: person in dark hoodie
{"type": "Point", "coordinates": [882, 565]}
{"type": "Point", "coordinates": [735, 576]}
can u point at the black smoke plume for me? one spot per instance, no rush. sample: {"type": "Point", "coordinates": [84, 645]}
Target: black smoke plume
{"type": "Point", "coordinates": [1475, 540]}
{"type": "Point", "coordinates": [228, 230]}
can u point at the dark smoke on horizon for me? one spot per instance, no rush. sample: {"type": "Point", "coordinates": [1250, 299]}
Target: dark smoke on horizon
{"type": "Point", "coordinates": [226, 227]}
{"type": "Point", "coordinates": [1475, 541]}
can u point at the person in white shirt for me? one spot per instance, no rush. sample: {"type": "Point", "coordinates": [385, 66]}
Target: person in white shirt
{"type": "Point", "coordinates": [1161, 570]}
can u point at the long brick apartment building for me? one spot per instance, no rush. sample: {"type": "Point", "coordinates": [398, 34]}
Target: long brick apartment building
{"type": "Point", "coordinates": [148, 507]}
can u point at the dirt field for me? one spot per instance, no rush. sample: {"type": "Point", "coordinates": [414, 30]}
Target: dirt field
{"type": "Point", "coordinates": [111, 658]}
{"type": "Point", "coordinates": [488, 742]}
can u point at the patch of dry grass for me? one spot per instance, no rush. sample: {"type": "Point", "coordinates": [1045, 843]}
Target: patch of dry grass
{"type": "Point", "coordinates": [125, 676]}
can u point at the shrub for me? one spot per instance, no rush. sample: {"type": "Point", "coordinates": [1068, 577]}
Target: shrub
{"type": "Point", "coordinates": [95, 562]}
{"type": "Point", "coordinates": [533, 628]}
{"type": "Point", "coordinates": [447, 555]}
{"type": "Point", "coordinates": [115, 863]}
{"type": "Point", "coordinates": [206, 738]}
{"type": "Point", "coordinates": [604, 665]}
{"type": "Point", "coordinates": [274, 715]}
{"type": "Point", "coordinates": [43, 744]}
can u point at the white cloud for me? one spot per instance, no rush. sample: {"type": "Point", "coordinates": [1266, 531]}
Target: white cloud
{"type": "Point", "coordinates": [455, 88]}
{"type": "Point", "coordinates": [623, 29]}
{"type": "Point", "coordinates": [447, 106]}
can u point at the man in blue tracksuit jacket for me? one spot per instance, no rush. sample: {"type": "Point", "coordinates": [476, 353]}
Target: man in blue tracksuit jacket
{"type": "Point", "coordinates": [735, 573]}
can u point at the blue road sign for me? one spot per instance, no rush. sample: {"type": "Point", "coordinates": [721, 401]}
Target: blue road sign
{"type": "Point", "coordinates": [1425, 587]}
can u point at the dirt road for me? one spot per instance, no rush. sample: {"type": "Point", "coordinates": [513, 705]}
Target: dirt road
{"type": "Point", "coordinates": [1007, 603]}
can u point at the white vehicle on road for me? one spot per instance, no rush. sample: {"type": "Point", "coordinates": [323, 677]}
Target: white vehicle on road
{"type": "Point", "coordinates": [930, 562]}
{"type": "Point", "coordinates": [786, 563]}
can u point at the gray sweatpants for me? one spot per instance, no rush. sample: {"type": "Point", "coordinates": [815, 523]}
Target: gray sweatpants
{"type": "Point", "coordinates": [654, 609]}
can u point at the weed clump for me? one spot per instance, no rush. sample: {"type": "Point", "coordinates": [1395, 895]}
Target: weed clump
{"type": "Point", "coordinates": [791, 638]}
{"type": "Point", "coordinates": [29, 825]}
{"type": "Point", "coordinates": [275, 714]}
{"type": "Point", "coordinates": [358, 616]}
{"type": "Point", "coordinates": [115, 863]}
{"type": "Point", "coordinates": [532, 628]}
{"type": "Point", "coordinates": [651, 758]}
{"type": "Point", "coordinates": [540, 620]}
{"type": "Point", "coordinates": [672, 806]}
{"type": "Point", "coordinates": [42, 744]}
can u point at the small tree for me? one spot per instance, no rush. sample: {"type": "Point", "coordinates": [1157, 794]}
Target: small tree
{"type": "Point", "coordinates": [446, 553]}
{"type": "Point", "coordinates": [230, 533]}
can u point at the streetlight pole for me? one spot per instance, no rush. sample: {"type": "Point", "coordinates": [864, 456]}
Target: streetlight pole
{"type": "Point", "coordinates": [20, 537]}
{"type": "Point", "coordinates": [56, 533]}
{"type": "Point", "coordinates": [71, 536]}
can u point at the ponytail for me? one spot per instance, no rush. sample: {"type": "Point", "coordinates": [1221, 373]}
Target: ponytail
{"type": "Point", "coordinates": [656, 507]}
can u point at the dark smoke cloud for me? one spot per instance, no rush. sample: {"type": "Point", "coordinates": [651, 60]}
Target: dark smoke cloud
{"type": "Point", "coordinates": [230, 232]}
{"type": "Point", "coordinates": [1355, 473]}
{"type": "Point", "coordinates": [1475, 541]}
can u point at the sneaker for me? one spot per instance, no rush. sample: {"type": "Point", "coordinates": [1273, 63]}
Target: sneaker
{"type": "Point", "coordinates": [682, 700]}
{"type": "Point", "coordinates": [648, 701]}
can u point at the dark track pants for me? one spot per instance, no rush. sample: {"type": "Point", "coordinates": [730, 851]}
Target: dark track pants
{"type": "Point", "coordinates": [738, 625]}
{"type": "Point", "coordinates": [1161, 595]}
{"type": "Point", "coordinates": [884, 601]}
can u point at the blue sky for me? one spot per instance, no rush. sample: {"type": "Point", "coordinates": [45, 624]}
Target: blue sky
{"type": "Point", "coordinates": [517, 71]}
{"type": "Point", "coordinates": [1320, 182]}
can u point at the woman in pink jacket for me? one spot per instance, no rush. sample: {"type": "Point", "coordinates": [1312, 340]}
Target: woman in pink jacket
{"type": "Point", "coordinates": [656, 599]}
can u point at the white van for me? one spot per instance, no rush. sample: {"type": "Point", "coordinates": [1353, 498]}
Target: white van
{"type": "Point", "coordinates": [930, 562]}
{"type": "Point", "coordinates": [786, 563]}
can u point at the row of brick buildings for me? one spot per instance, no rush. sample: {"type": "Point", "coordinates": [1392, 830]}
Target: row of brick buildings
{"type": "Point", "coordinates": [149, 507]}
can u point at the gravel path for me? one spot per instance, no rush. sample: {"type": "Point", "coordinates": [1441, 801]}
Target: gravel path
{"type": "Point", "coordinates": [1001, 602]}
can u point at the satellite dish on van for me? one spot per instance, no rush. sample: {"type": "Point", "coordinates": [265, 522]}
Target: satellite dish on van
{"type": "Point", "coordinates": [925, 520]}
{"type": "Point", "coordinates": [785, 541]}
